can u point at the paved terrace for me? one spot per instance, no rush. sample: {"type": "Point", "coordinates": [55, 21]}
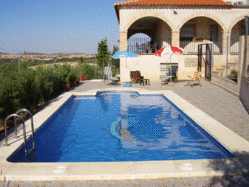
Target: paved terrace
{"type": "Point", "coordinates": [218, 103]}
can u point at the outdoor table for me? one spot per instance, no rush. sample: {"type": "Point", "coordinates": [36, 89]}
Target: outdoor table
{"type": "Point", "coordinates": [146, 81]}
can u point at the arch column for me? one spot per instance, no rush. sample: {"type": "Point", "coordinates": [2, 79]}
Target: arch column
{"type": "Point", "coordinates": [176, 38]}
{"type": "Point", "coordinates": [123, 40]}
{"type": "Point", "coordinates": [226, 38]}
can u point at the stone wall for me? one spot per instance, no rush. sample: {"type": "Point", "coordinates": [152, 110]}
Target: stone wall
{"type": "Point", "coordinates": [226, 83]}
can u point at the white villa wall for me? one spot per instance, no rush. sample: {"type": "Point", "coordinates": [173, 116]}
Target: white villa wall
{"type": "Point", "coordinates": [149, 65]}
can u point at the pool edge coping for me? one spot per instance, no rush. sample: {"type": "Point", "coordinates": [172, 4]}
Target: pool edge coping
{"type": "Point", "coordinates": [133, 170]}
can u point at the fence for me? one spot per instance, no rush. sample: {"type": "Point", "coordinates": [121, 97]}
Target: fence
{"type": "Point", "coordinates": [192, 47]}
{"type": "Point", "coordinates": [234, 46]}
{"type": "Point", "coordinates": [146, 45]}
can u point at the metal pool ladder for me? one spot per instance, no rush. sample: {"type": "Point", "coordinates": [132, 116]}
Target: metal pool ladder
{"type": "Point", "coordinates": [29, 153]}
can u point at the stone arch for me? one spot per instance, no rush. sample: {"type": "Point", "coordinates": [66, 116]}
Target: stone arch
{"type": "Point", "coordinates": [147, 34]}
{"type": "Point", "coordinates": [235, 22]}
{"type": "Point", "coordinates": [201, 14]}
{"type": "Point", "coordinates": [148, 14]}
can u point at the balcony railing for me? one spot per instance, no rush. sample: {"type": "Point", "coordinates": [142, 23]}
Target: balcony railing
{"type": "Point", "coordinates": [192, 47]}
{"type": "Point", "coordinates": [234, 46]}
{"type": "Point", "coordinates": [146, 46]}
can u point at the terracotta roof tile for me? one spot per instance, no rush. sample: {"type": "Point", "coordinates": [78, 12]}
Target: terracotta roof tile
{"type": "Point", "coordinates": [174, 2]}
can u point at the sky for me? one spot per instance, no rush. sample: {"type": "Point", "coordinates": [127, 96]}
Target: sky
{"type": "Point", "coordinates": [45, 26]}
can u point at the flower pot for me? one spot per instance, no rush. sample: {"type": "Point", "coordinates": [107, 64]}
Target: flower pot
{"type": "Point", "coordinates": [85, 77]}
{"type": "Point", "coordinates": [81, 77]}
{"type": "Point", "coordinates": [66, 87]}
{"type": "Point", "coordinates": [72, 84]}
{"type": "Point", "coordinates": [77, 81]}
{"type": "Point", "coordinates": [194, 40]}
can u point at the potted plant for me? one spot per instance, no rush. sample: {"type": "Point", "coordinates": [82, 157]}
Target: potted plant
{"type": "Point", "coordinates": [234, 75]}
{"type": "Point", "coordinates": [67, 83]}
{"type": "Point", "coordinates": [85, 77]}
{"type": "Point", "coordinates": [197, 39]}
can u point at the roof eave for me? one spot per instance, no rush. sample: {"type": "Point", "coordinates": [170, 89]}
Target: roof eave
{"type": "Point", "coordinates": [117, 5]}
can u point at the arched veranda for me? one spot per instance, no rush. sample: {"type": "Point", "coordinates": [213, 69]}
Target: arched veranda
{"type": "Point", "coordinates": [201, 29]}
{"type": "Point", "coordinates": [236, 31]}
{"type": "Point", "coordinates": [157, 30]}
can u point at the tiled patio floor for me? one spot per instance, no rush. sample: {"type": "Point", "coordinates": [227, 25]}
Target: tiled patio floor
{"type": "Point", "coordinates": [213, 100]}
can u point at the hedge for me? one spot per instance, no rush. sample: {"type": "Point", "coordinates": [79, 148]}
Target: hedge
{"type": "Point", "coordinates": [29, 87]}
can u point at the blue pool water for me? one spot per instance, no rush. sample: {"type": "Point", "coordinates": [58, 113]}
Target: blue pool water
{"type": "Point", "coordinates": [121, 126]}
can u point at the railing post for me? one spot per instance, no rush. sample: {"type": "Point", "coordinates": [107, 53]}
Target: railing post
{"type": "Point", "coordinates": [245, 62]}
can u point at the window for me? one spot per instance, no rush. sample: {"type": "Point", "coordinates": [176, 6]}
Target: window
{"type": "Point", "coordinates": [214, 33]}
{"type": "Point", "coordinates": [187, 33]}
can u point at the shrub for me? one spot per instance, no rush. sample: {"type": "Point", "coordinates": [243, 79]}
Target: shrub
{"type": "Point", "coordinates": [28, 95]}
{"type": "Point", "coordinates": [89, 71]}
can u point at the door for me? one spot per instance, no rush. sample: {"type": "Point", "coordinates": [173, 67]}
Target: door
{"type": "Point", "coordinates": [208, 63]}
{"type": "Point", "coordinates": [199, 56]}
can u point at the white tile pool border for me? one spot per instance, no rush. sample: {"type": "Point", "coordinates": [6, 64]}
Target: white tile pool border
{"type": "Point", "coordinates": [125, 170]}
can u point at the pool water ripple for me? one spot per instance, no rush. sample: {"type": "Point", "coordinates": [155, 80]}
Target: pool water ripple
{"type": "Point", "coordinates": [121, 126]}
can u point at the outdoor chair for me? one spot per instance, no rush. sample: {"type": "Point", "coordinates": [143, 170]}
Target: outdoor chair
{"type": "Point", "coordinates": [195, 80]}
{"type": "Point", "coordinates": [108, 75]}
{"type": "Point", "coordinates": [166, 78]}
{"type": "Point", "coordinates": [132, 76]}
{"type": "Point", "coordinates": [137, 76]}
{"type": "Point", "coordinates": [139, 48]}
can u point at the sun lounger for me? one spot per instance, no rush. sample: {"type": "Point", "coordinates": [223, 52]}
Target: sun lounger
{"type": "Point", "coordinates": [195, 80]}
{"type": "Point", "coordinates": [166, 78]}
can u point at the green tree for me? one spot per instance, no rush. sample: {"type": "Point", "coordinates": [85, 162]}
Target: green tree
{"type": "Point", "coordinates": [115, 61]}
{"type": "Point", "coordinates": [103, 53]}
{"type": "Point", "coordinates": [82, 60]}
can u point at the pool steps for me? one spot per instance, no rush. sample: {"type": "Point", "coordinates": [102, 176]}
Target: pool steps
{"type": "Point", "coordinates": [29, 153]}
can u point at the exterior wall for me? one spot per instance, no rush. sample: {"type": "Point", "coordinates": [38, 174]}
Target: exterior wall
{"type": "Point", "coordinates": [243, 82]}
{"type": "Point", "coordinates": [226, 18]}
{"type": "Point", "coordinates": [149, 65]}
{"type": "Point", "coordinates": [226, 83]}
{"type": "Point", "coordinates": [170, 25]}
{"type": "Point", "coordinates": [244, 93]}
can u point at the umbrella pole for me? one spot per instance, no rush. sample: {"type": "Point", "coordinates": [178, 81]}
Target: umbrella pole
{"type": "Point", "coordinates": [170, 70]}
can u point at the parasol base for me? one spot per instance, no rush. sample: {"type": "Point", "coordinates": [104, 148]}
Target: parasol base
{"type": "Point", "coordinates": [127, 85]}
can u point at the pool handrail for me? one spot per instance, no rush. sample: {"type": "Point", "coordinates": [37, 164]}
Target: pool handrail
{"type": "Point", "coordinates": [5, 127]}
{"type": "Point", "coordinates": [32, 123]}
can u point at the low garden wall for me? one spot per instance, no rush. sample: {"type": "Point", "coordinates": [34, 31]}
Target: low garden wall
{"type": "Point", "coordinates": [225, 83]}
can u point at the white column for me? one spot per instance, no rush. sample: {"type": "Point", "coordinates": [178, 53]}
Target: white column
{"type": "Point", "coordinates": [176, 38]}
{"type": "Point", "coordinates": [123, 40]}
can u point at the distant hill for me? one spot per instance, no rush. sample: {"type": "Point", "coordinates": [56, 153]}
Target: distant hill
{"type": "Point", "coordinates": [41, 56]}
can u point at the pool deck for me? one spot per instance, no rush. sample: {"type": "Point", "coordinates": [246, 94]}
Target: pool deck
{"type": "Point", "coordinates": [224, 107]}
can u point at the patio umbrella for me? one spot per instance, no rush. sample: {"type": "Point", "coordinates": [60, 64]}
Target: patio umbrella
{"type": "Point", "coordinates": [124, 54]}
{"type": "Point", "coordinates": [170, 50]}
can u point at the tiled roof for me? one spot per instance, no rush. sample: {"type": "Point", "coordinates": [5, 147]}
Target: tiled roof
{"type": "Point", "coordinates": [173, 2]}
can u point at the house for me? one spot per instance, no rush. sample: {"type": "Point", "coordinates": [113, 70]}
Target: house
{"type": "Point", "coordinates": [179, 23]}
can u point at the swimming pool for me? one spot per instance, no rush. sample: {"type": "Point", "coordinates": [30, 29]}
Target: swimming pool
{"type": "Point", "coordinates": [121, 126]}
